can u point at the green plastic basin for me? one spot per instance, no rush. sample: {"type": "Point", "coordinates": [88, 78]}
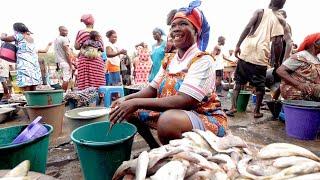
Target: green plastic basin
{"type": "Point", "coordinates": [44, 98]}
{"type": "Point", "coordinates": [36, 151]}
{"type": "Point", "coordinates": [100, 154]}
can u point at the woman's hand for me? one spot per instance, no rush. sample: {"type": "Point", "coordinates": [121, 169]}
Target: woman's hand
{"type": "Point", "coordinates": [117, 102]}
{"type": "Point", "coordinates": [305, 88]}
{"type": "Point", "coordinates": [122, 110]}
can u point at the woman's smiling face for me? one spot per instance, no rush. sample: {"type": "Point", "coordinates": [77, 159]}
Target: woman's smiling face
{"type": "Point", "coordinates": [183, 33]}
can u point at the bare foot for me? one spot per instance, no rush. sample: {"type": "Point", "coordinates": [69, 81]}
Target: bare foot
{"type": "Point", "coordinates": [258, 115]}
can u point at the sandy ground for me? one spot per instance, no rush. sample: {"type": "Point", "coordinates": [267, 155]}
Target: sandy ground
{"type": "Point", "coordinates": [63, 162]}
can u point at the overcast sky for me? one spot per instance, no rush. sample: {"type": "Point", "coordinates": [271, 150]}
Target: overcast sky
{"type": "Point", "coordinates": [134, 20]}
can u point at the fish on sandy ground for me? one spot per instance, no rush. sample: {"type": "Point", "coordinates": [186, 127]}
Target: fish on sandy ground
{"type": "Point", "coordinates": [229, 165]}
{"type": "Point", "coordinates": [262, 168]}
{"type": "Point", "coordinates": [20, 170]}
{"type": "Point", "coordinates": [17, 178]}
{"type": "Point", "coordinates": [283, 149]}
{"type": "Point", "coordinates": [198, 140]}
{"type": "Point", "coordinates": [230, 141]}
{"type": "Point", "coordinates": [192, 169]}
{"type": "Point", "coordinates": [142, 166]}
{"type": "Point", "coordinates": [157, 166]}
{"type": "Point", "coordinates": [174, 170]}
{"type": "Point", "coordinates": [208, 175]}
{"type": "Point", "coordinates": [284, 162]}
{"type": "Point", "coordinates": [127, 167]}
{"type": "Point", "coordinates": [314, 176]}
{"type": "Point", "coordinates": [155, 158]}
{"type": "Point", "coordinates": [297, 169]}
{"type": "Point", "coordinates": [242, 168]}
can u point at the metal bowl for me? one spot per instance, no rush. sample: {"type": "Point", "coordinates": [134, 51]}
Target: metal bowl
{"type": "Point", "coordinates": [5, 113]}
{"type": "Point", "coordinates": [16, 106]}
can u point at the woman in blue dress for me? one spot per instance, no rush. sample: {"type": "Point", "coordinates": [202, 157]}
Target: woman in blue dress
{"type": "Point", "coordinates": [28, 67]}
{"type": "Point", "coordinates": [158, 51]}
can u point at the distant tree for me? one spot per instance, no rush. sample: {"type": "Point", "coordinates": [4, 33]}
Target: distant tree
{"type": "Point", "coordinates": [49, 58]}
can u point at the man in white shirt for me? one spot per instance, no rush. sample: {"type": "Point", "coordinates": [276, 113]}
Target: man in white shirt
{"type": "Point", "coordinates": [219, 55]}
{"type": "Point", "coordinates": [62, 50]}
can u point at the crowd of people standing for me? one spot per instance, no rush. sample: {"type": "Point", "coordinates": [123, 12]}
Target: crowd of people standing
{"type": "Point", "coordinates": [183, 80]}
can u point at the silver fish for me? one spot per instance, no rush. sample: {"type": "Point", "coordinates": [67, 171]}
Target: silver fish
{"type": "Point", "coordinates": [127, 167]}
{"type": "Point", "coordinates": [298, 169]}
{"type": "Point", "coordinates": [242, 168]}
{"type": "Point", "coordinates": [284, 162]}
{"type": "Point", "coordinates": [142, 166]}
{"type": "Point", "coordinates": [156, 167]}
{"type": "Point", "coordinates": [230, 167]}
{"type": "Point", "coordinates": [230, 141]}
{"type": "Point", "coordinates": [314, 176]}
{"type": "Point", "coordinates": [262, 168]}
{"type": "Point", "coordinates": [155, 158]}
{"type": "Point", "coordinates": [174, 170]}
{"type": "Point", "coordinates": [283, 149]}
{"type": "Point", "coordinates": [198, 140]}
{"type": "Point", "coordinates": [20, 170]}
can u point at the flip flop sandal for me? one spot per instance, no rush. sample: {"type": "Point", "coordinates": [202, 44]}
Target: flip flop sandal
{"type": "Point", "coordinates": [230, 113]}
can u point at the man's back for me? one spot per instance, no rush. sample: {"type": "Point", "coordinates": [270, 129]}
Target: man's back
{"type": "Point", "coordinates": [59, 44]}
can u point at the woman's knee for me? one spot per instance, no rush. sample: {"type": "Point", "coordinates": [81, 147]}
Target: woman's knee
{"type": "Point", "coordinates": [171, 125]}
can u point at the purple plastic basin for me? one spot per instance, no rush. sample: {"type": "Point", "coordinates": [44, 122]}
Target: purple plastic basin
{"type": "Point", "coordinates": [302, 122]}
{"type": "Point", "coordinates": [32, 131]}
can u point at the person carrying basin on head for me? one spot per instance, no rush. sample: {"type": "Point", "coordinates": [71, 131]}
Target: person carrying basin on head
{"type": "Point", "coordinates": [300, 73]}
{"type": "Point", "coordinates": [181, 97]}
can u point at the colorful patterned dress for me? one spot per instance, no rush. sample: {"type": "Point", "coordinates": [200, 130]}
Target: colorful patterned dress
{"type": "Point", "coordinates": [90, 71]}
{"type": "Point", "coordinates": [142, 66]}
{"type": "Point", "coordinates": [208, 109]}
{"type": "Point", "coordinates": [306, 69]}
{"type": "Point", "coordinates": [28, 67]}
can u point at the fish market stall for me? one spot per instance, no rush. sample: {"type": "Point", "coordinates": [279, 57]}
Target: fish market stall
{"type": "Point", "coordinates": [202, 155]}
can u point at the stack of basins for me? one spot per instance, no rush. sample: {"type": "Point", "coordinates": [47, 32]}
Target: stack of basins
{"type": "Point", "coordinates": [48, 104]}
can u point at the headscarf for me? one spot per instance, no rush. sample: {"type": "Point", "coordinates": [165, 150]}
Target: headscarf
{"type": "Point", "coordinates": [308, 41]}
{"type": "Point", "coordinates": [197, 18]}
{"type": "Point", "coordinates": [87, 19]}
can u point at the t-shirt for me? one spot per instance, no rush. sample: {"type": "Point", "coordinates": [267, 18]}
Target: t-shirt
{"type": "Point", "coordinates": [255, 48]}
{"type": "Point", "coordinates": [114, 60]}
{"type": "Point", "coordinates": [219, 58]}
{"type": "Point", "coordinates": [200, 79]}
{"type": "Point", "coordinates": [60, 53]}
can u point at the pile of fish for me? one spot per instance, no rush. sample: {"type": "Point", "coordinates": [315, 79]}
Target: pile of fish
{"type": "Point", "coordinates": [202, 155]}
{"type": "Point", "coordinates": [20, 172]}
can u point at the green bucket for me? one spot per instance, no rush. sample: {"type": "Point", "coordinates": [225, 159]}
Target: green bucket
{"type": "Point", "coordinates": [44, 98]}
{"type": "Point", "coordinates": [100, 154]}
{"type": "Point", "coordinates": [242, 101]}
{"type": "Point", "coordinates": [36, 151]}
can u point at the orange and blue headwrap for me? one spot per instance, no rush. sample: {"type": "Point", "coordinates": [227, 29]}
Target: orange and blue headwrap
{"type": "Point", "coordinates": [197, 18]}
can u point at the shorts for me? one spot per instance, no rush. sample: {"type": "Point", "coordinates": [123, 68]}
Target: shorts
{"type": "Point", "coordinates": [219, 73]}
{"type": "Point", "coordinates": [66, 71]}
{"type": "Point", "coordinates": [252, 73]}
{"type": "Point", "coordinates": [113, 78]}
{"type": "Point", "coordinates": [195, 120]}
